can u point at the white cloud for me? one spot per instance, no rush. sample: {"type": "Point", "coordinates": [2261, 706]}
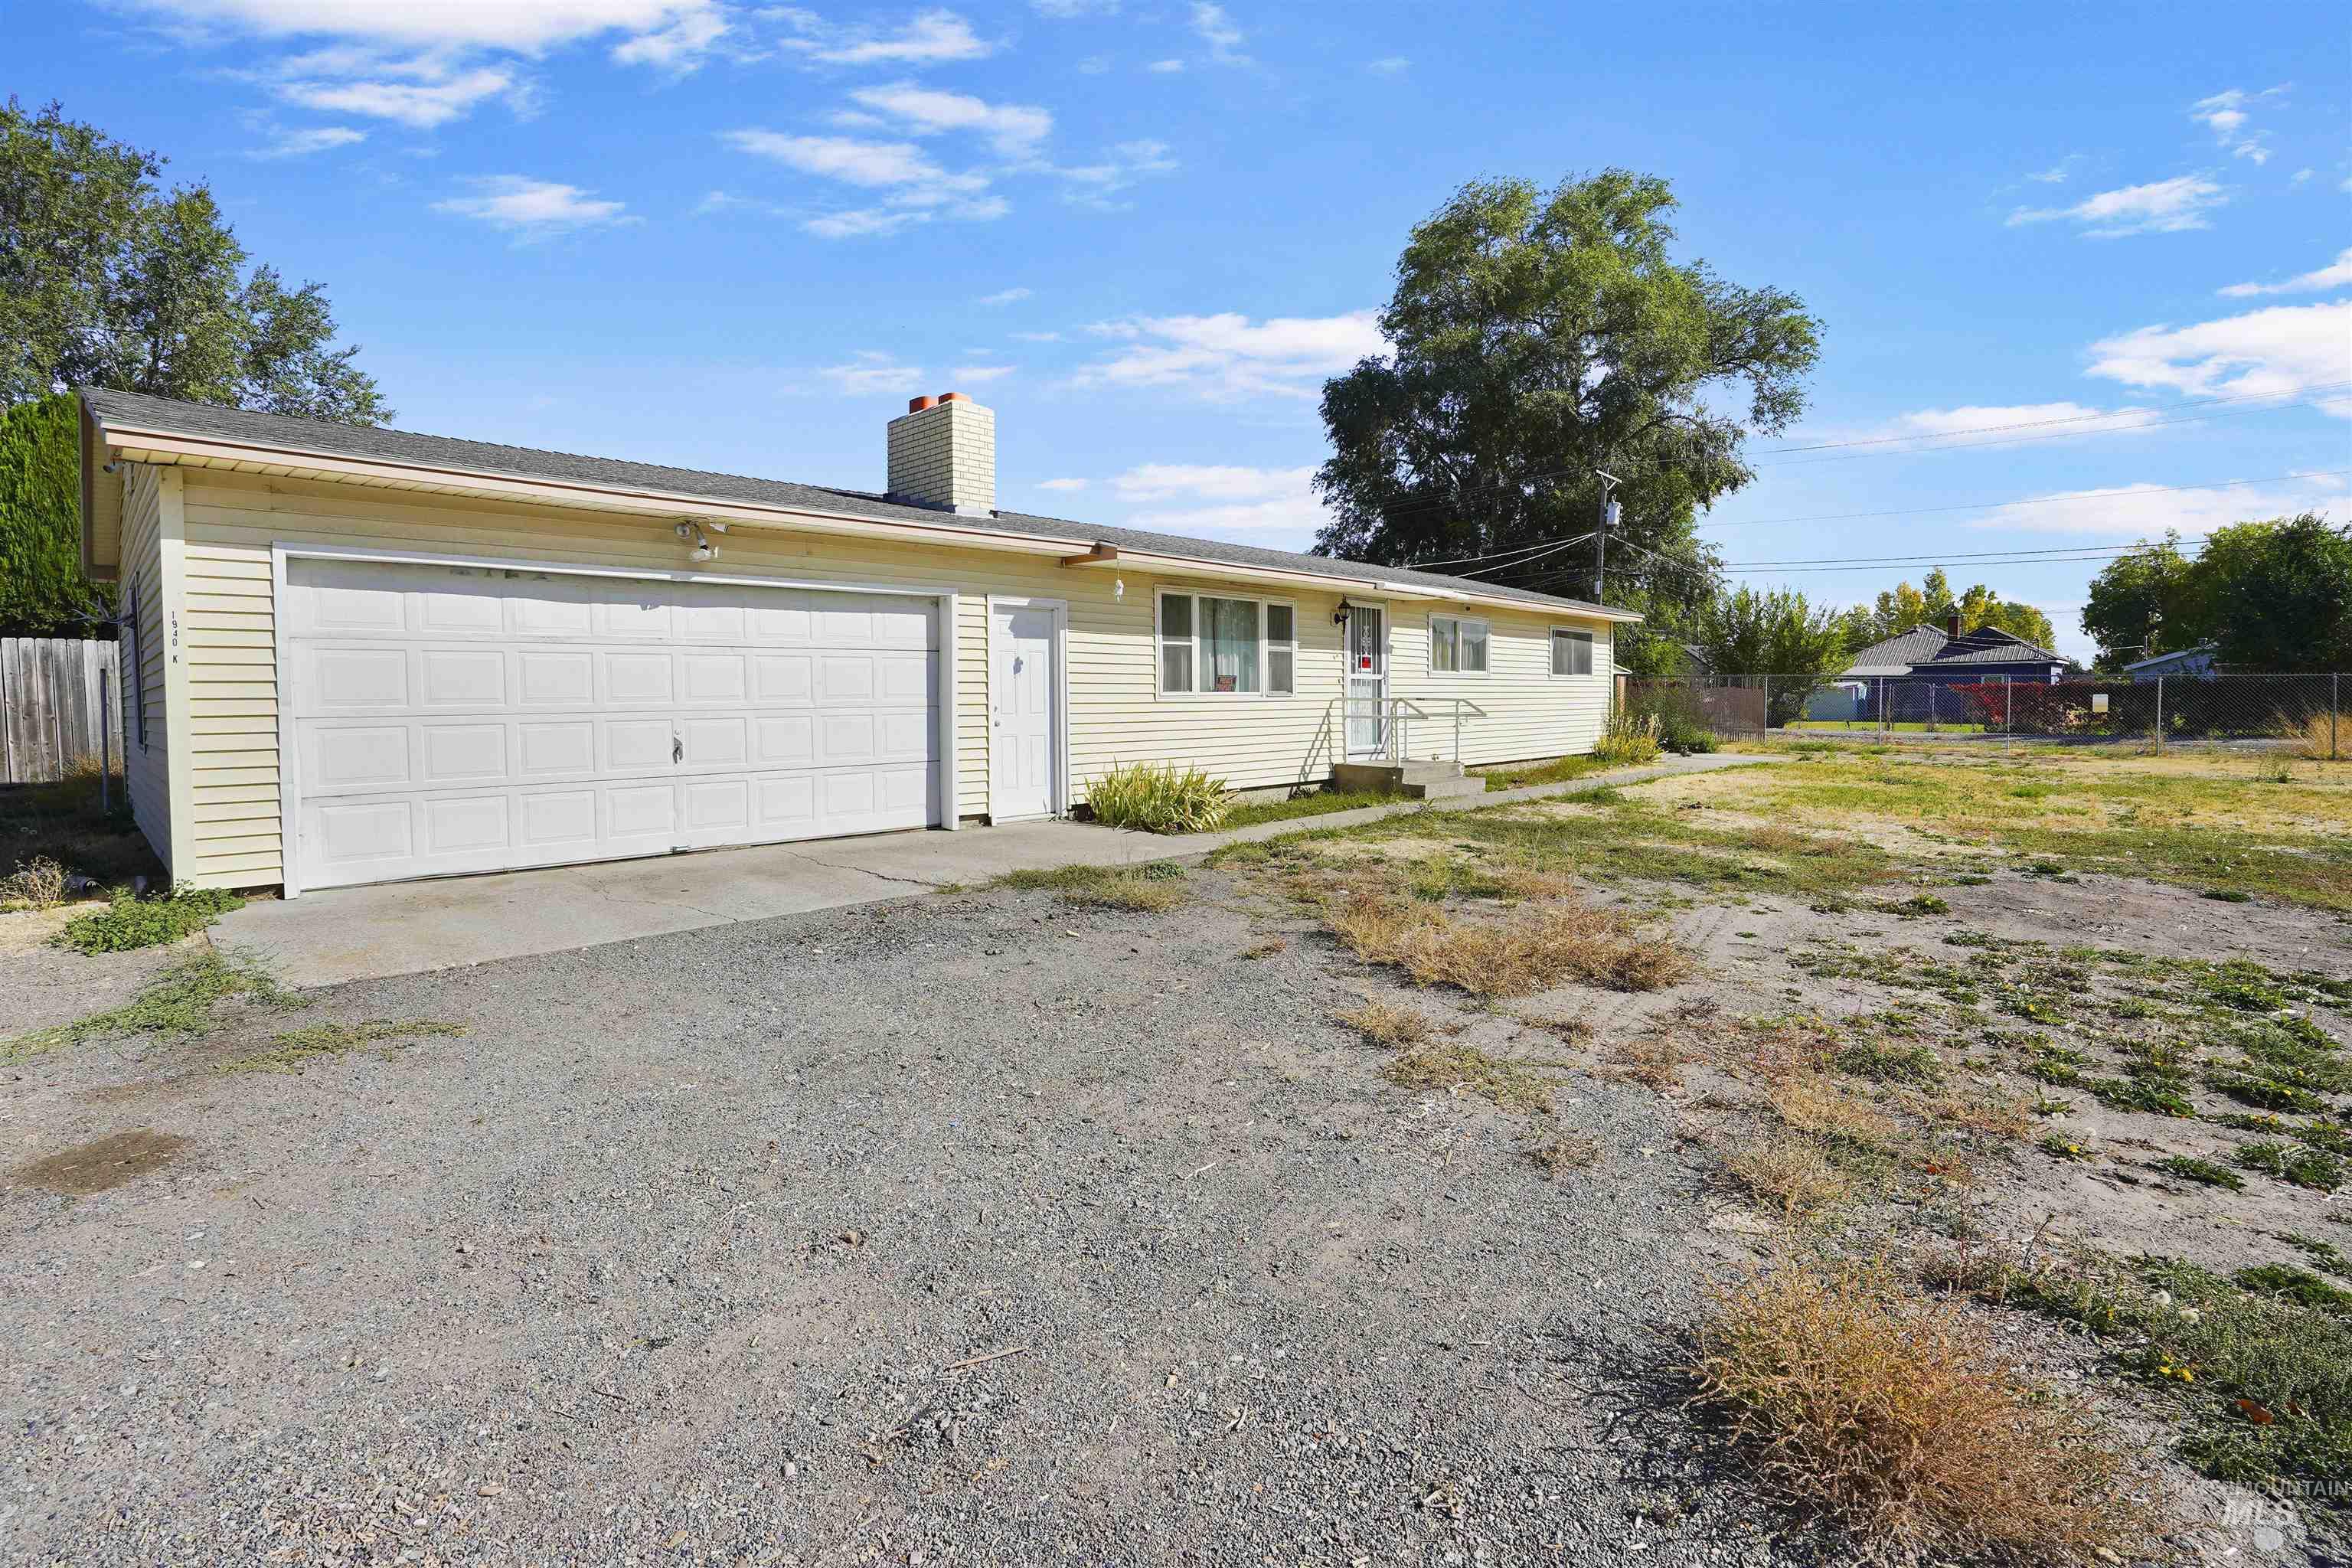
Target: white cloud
{"type": "Point", "coordinates": [872, 371]}
{"type": "Point", "coordinates": [1226, 356]}
{"type": "Point", "coordinates": [1061, 484]}
{"type": "Point", "coordinates": [677, 49]}
{"type": "Point", "coordinates": [2053, 419]}
{"type": "Point", "coordinates": [1165, 67]}
{"type": "Point", "coordinates": [2300, 176]}
{"type": "Point", "coordinates": [2059, 172]}
{"type": "Point", "coordinates": [2162, 206]}
{"type": "Point", "coordinates": [534, 208]}
{"type": "Point", "coordinates": [1063, 9]}
{"type": "Point", "coordinates": [933, 37]}
{"type": "Point", "coordinates": [1093, 184]}
{"type": "Point", "coordinates": [863, 223]}
{"type": "Point", "coordinates": [2225, 114]}
{"type": "Point", "coordinates": [1218, 31]}
{"type": "Point", "coordinates": [1392, 65]}
{"type": "Point", "coordinates": [1240, 499]}
{"type": "Point", "coordinates": [1039, 337]}
{"type": "Point", "coordinates": [1094, 64]}
{"type": "Point", "coordinates": [1005, 297]}
{"type": "Point", "coordinates": [981, 373]}
{"type": "Point", "coordinates": [2276, 352]}
{"type": "Point", "coordinates": [525, 27]}
{"type": "Point", "coordinates": [2337, 274]}
{"type": "Point", "coordinates": [293, 143]}
{"type": "Point", "coordinates": [421, 105]}
{"type": "Point", "coordinates": [1013, 129]}
{"type": "Point", "coordinates": [2146, 511]}
{"type": "Point", "coordinates": [912, 184]}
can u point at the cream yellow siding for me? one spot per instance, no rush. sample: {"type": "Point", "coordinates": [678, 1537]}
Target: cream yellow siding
{"type": "Point", "coordinates": [1529, 712]}
{"type": "Point", "coordinates": [146, 763]}
{"type": "Point", "coordinates": [232, 830]}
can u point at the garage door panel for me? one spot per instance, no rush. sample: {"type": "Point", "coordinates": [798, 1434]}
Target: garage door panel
{"type": "Point", "coordinates": [451, 719]}
{"type": "Point", "coordinates": [638, 680]}
{"type": "Point", "coordinates": [544, 750]}
{"type": "Point", "coordinates": [550, 680]}
{"type": "Point", "coordinates": [460, 753]}
{"type": "Point", "coordinates": [358, 756]}
{"type": "Point", "coordinates": [462, 677]}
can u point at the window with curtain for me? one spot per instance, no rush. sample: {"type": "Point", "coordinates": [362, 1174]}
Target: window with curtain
{"type": "Point", "coordinates": [1457, 645]}
{"type": "Point", "coordinates": [1228, 648]}
{"type": "Point", "coordinates": [1571, 653]}
{"type": "Point", "coordinates": [1229, 645]}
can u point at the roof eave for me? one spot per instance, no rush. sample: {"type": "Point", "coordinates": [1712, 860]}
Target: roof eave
{"type": "Point", "coordinates": [152, 444]}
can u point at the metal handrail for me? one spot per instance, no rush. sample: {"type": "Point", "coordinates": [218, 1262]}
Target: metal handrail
{"type": "Point", "coordinates": [1395, 715]}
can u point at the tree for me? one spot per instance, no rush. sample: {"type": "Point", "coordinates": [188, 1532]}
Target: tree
{"type": "Point", "coordinates": [107, 281]}
{"type": "Point", "coordinates": [1774, 633]}
{"type": "Point", "coordinates": [2278, 596]}
{"type": "Point", "coordinates": [1534, 339]}
{"type": "Point", "coordinates": [2143, 604]}
{"type": "Point", "coordinates": [1903, 607]}
{"type": "Point", "coordinates": [42, 591]}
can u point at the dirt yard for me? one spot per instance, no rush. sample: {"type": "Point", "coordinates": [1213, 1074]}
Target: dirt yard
{"type": "Point", "coordinates": [1101, 1220]}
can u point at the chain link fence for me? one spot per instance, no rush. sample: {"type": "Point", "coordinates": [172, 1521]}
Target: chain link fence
{"type": "Point", "coordinates": [2306, 715]}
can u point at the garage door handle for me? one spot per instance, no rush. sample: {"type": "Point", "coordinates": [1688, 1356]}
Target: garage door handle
{"type": "Point", "coordinates": [676, 750]}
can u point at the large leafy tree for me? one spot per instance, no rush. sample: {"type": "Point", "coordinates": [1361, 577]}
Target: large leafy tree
{"type": "Point", "coordinates": [1536, 338]}
{"type": "Point", "coordinates": [1774, 633]}
{"type": "Point", "coordinates": [1933, 603]}
{"type": "Point", "coordinates": [2270, 595]}
{"type": "Point", "coordinates": [108, 280]}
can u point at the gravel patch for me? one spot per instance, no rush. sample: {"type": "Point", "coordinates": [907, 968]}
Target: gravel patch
{"type": "Point", "coordinates": [695, 1245]}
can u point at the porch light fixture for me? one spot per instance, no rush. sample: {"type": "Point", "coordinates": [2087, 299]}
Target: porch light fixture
{"type": "Point", "coordinates": [1339, 615]}
{"type": "Point", "coordinates": [703, 549]}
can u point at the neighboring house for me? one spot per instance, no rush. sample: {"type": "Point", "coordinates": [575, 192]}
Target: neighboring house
{"type": "Point", "coordinates": [1906, 676]}
{"type": "Point", "coordinates": [358, 655]}
{"type": "Point", "coordinates": [2196, 663]}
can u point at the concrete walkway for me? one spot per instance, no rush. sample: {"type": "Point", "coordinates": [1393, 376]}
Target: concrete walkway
{"type": "Point", "coordinates": [406, 928]}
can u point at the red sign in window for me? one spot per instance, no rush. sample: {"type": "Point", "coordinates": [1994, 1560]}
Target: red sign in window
{"type": "Point", "coordinates": [1363, 662]}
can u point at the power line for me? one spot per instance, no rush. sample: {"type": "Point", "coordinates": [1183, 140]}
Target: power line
{"type": "Point", "coordinates": [2062, 500]}
{"type": "Point", "coordinates": [2016, 555]}
{"type": "Point", "coordinates": [1505, 566]}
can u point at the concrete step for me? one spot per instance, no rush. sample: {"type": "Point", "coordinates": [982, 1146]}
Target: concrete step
{"type": "Point", "coordinates": [1428, 772]}
{"type": "Point", "coordinates": [1443, 788]}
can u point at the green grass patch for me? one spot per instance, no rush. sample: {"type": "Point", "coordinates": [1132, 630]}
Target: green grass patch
{"type": "Point", "coordinates": [297, 1048]}
{"type": "Point", "coordinates": [2298, 1163]}
{"type": "Point", "coordinates": [1152, 887]}
{"type": "Point", "coordinates": [2156, 1095]}
{"type": "Point", "coordinates": [2190, 1168]}
{"type": "Point", "coordinates": [179, 1002]}
{"type": "Point", "coordinates": [2287, 1283]}
{"type": "Point", "coordinates": [1559, 770]}
{"type": "Point", "coordinates": [132, 922]}
{"type": "Point", "coordinates": [1318, 803]}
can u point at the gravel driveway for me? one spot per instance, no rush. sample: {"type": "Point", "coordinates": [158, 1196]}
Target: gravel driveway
{"type": "Point", "coordinates": [674, 1255]}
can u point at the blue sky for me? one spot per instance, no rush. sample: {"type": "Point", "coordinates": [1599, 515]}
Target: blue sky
{"type": "Point", "coordinates": [739, 237]}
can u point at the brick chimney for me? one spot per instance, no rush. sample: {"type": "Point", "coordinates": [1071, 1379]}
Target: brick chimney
{"type": "Point", "coordinates": [1952, 626]}
{"type": "Point", "coordinates": [943, 454]}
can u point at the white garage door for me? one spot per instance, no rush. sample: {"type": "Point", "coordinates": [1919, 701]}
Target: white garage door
{"type": "Point", "coordinates": [454, 719]}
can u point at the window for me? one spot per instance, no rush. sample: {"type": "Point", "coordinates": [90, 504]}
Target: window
{"type": "Point", "coordinates": [131, 685]}
{"type": "Point", "coordinates": [1227, 648]}
{"type": "Point", "coordinates": [1456, 645]}
{"type": "Point", "coordinates": [1571, 653]}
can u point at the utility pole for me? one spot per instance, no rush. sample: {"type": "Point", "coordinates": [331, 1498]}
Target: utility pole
{"type": "Point", "coordinates": [1609, 511]}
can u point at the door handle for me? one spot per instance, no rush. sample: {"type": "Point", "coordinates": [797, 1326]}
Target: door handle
{"type": "Point", "coordinates": [676, 750]}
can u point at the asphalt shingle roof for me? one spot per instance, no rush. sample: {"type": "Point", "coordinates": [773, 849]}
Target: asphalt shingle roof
{"type": "Point", "coordinates": [1931, 648]}
{"type": "Point", "coordinates": [279, 431]}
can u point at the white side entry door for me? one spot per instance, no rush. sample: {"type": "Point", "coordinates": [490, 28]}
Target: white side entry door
{"type": "Point", "coordinates": [1025, 706]}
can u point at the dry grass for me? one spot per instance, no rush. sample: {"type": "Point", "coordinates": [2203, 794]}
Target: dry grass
{"type": "Point", "coordinates": [2321, 737]}
{"type": "Point", "coordinates": [1654, 1060]}
{"type": "Point", "coordinates": [37, 884]}
{"type": "Point", "coordinates": [1889, 1416]}
{"type": "Point", "coordinates": [1982, 1113]}
{"type": "Point", "coordinates": [1567, 1031]}
{"type": "Point", "coordinates": [1790, 1171]}
{"type": "Point", "coordinates": [1152, 887]}
{"type": "Point", "coordinates": [1270, 947]}
{"type": "Point", "coordinates": [1574, 1152]}
{"type": "Point", "coordinates": [1778, 840]}
{"type": "Point", "coordinates": [1819, 1104]}
{"type": "Point", "coordinates": [1386, 1024]}
{"type": "Point", "coordinates": [1527, 951]}
{"type": "Point", "coordinates": [1456, 1067]}
{"type": "Point", "coordinates": [1774, 1049]}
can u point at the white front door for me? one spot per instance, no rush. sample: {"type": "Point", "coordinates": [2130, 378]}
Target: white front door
{"type": "Point", "coordinates": [1025, 702]}
{"type": "Point", "coordinates": [456, 719]}
{"type": "Point", "coordinates": [1367, 649]}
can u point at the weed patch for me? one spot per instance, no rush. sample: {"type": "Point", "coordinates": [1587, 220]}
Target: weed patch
{"type": "Point", "coordinates": [1386, 1024]}
{"type": "Point", "coordinates": [1562, 1155]}
{"type": "Point", "coordinates": [1453, 1067]}
{"type": "Point", "coordinates": [1152, 888]}
{"type": "Point", "coordinates": [1529, 950]}
{"type": "Point", "coordinates": [1794, 1173]}
{"type": "Point", "coordinates": [2190, 1168]}
{"type": "Point", "coordinates": [1892, 1419]}
{"type": "Point", "coordinates": [1159, 799]}
{"type": "Point", "coordinates": [297, 1048]}
{"type": "Point", "coordinates": [178, 1002]}
{"type": "Point", "coordinates": [134, 922]}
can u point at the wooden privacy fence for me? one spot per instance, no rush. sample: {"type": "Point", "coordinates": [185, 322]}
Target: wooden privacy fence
{"type": "Point", "coordinates": [59, 698]}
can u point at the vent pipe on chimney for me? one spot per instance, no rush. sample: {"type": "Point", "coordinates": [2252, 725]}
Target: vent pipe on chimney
{"type": "Point", "coordinates": [943, 453]}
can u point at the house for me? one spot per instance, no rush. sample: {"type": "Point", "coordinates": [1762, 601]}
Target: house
{"type": "Point", "coordinates": [2195, 663]}
{"type": "Point", "coordinates": [357, 655]}
{"type": "Point", "coordinates": [1910, 676]}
